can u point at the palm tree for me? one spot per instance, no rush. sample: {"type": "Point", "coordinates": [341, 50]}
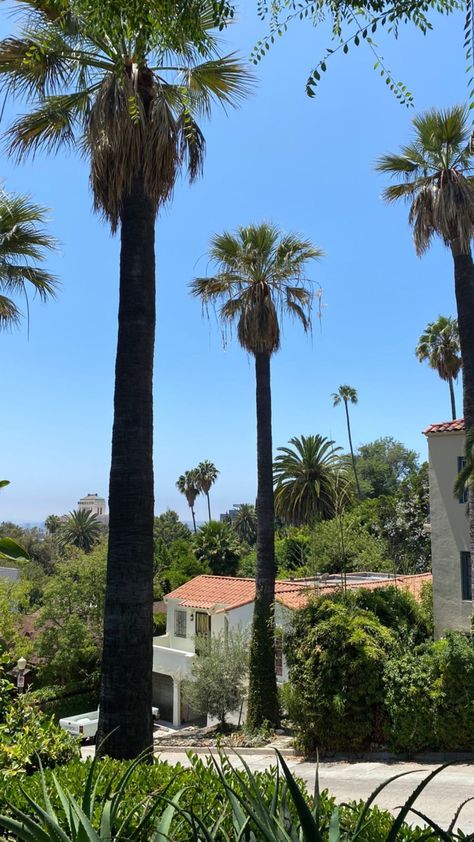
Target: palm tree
{"type": "Point", "coordinates": [217, 544]}
{"type": "Point", "coordinates": [260, 271]}
{"type": "Point", "coordinates": [24, 244]}
{"type": "Point", "coordinates": [305, 477]}
{"type": "Point", "coordinates": [435, 177]}
{"type": "Point", "coordinates": [439, 344]}
{"type": "Point", "coordinates": [207, 474]}
{"type": "Point", "coordinates": [188, 484]}
{"type": "Point", "coordinates": [349, 395]}
{"type": "Point", "coordinates": [244, 523]}
{"type": "Point", "coordinates": [124, 83]}
{"type": "Point", "coordinates": [82, 529]}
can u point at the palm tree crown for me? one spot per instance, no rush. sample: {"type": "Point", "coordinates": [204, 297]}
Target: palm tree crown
{"type": "Point", "coordinates": [24, 245]}
{"type": "Point", "coordinates": [439, 345]}
{"type": "Point", "coordinates": [305, 477]}
{"type": "Point", "coordinates": [435, 176]}
{"type": "Point", "coordinates": [82, 529]}
{"type": "Point", "coordinates": [207, 474]}
{"type": "Point", "coordinates": [188, 484]}
{"type": "Point", "coordinates": [261, 271]}
{"type": "Point", "coordinates": [345, 393]}
{"type": "Point", "coordinates": [128, 98]}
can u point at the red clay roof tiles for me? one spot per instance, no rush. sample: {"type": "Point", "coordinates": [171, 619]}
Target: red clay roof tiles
{"type": "Point", "coordinates": [456, 426]}
{"type": "Point", "coordinates": [228, 592]}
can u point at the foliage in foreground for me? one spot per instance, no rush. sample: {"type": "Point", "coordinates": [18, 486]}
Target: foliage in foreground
{"type": "Point", "coordinates": [109, 800]}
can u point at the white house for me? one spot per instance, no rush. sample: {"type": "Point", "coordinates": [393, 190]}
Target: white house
{"type": "Point", "coordinates": [209, 605]}
{"type": "Point", "coordinates": [451, 560]}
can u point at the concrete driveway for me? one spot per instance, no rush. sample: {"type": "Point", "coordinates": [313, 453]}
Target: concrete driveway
{"type": "Point", "coordinates": [353, 781]}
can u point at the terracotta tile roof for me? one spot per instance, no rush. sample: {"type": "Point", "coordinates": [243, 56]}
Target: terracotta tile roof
{"type": "Point", "coordinates": [225, 592]}
{"type": "Point", "coordinates": [413, 584]}
{"type": "Point", "coordinates": [446, 427]}
{"type": "Point", "coordinates": [229, 592]}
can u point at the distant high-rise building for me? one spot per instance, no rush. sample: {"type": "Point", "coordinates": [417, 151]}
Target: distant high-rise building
{"type": "Point", "coordinates": [231, 514]}
{"type": "Point", "coordinates": [92, 503]}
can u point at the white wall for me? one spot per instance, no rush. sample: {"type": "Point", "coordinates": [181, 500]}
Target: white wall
{"type": "Point", "coordinates": [449, 533]}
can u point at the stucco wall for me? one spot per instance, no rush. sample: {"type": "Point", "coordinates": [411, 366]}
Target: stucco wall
{"type": "Point", "coordinates": [449, 533]}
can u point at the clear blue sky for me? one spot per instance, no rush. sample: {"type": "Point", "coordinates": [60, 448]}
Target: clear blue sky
{"type": "Point", "coordinates": [304, 164]}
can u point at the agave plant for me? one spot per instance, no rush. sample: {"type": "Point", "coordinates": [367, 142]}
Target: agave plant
{"type": "Point", "coordinates": [287, 816]}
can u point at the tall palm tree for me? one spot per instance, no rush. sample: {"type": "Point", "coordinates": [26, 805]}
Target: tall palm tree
{"type": "Point", "coordinates": [435, 175]}
{"type": "Point", "coordinates": [207, 474]}
{"type": "Point", "coordinates": [305, 477]}
{"type": "Point", "coordinates": [24, 245]}
{"type": "Point", "coordinates": [348, 394]}
{"type": "Point", "coordinates": [124, 83]}
{"type": "Point", "coordinates": [82, 529]}
{"type": "Point", "coordinates": [260, 271]}
{"type": "Point", "coordinates": [188, 484]}
{"type": "Point", "coordinates": [439, 344]}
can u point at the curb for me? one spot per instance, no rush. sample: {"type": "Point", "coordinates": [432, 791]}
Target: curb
{"type": "Point", "coordinates": [259, 751]}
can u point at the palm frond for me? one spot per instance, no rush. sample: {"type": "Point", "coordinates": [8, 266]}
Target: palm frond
{"type": "Point", "coordinates": [225, 81]}
{"type": "Point", "coordinates": [56, 122]}
{"type": "Point", "coordinates": [9, 313]}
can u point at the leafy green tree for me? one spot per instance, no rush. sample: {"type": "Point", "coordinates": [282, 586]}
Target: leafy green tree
{"type": "Point", "coordinates": [168, 528]}
{"type": "Point", "coordinates": [439, 345]}
{"type": "Point", "coordinates": [71, 620]}
{"type": "Point", "coordinates": [244, 523]}
{"type": "Point", "coordinates": [434, 175]}
{"type": "Point", "coordinates": [24, 246]}
{"type": "Point", "coordinates": [304, 478]}
{"type": "Point", "coordinates": [359, 550]}
{"type": "Point", "coordinates": [347, 394]}
{"type": "Point", "coordinates": [383, 464]}
{"type": "Point", "coordinates": [207, 474]}
{"type": "Point", "coordinates": [260, 270]}
{"type": "Point", "coordinates": [128, 101]}
{"type": "Point", "coordinates": [177, 565]}
{"type": "Point", "coordinates": [219, 676]}
{"type": "Point", "coordinates": [217, 545]}
{"type": "Point", "coordinates": [188, 484]}
{"type": "Point", "coordinates": [82, 529]}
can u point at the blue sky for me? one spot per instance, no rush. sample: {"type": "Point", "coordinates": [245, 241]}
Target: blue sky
{"type": "Point", "coordinates": [305, 164]}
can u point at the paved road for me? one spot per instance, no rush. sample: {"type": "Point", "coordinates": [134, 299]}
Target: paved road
{"type": "Point", "coordinates": [347, 781]}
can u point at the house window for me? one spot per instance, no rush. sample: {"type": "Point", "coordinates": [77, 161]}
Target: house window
{"type": "Point", "coordinates": [463, 498]}
{"type": "Point", "coordinates": [278, 652]}
{"type": "Point", "coordinates": [180, 623]}
{"type": "Point", "coordinates": [466, 576]}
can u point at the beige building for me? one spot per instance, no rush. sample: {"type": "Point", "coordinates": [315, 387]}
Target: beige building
{"type": "Point", "coordinates": [451, 561]}
{"type": "Point", "coordinates": [93, 503]}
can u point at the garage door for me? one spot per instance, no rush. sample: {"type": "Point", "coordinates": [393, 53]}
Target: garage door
{"type": "Point", "coordinates": [163, 695]}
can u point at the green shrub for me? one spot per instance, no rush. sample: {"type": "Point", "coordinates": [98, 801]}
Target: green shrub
{"type": "Point", "coordinates": [429, 696]}
{"type": "Point", "coordinates": [28, 739]}
{"type": "Point", "coordinates": [411, 698]}
{"type": "Point", "coordinates": [454, 674]}
{"type": "Point", "coordinates": [336, 667]}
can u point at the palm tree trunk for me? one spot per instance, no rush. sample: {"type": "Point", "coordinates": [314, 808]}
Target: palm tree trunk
{"type": "Point", "coordinates": [194, 518]}
{"type": "Point", "coordinates": [464, 286]}
{"type": "Point", "coordinates": [352, 450]}
{"type": "Point", "coordinates": [453, 400]}
{"type": "Point", "coordinates": [263, 699]}
{"type": "Point", "coordinates": [125, 693]}
{"type": "Point", "coordinates": [208, 504]}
